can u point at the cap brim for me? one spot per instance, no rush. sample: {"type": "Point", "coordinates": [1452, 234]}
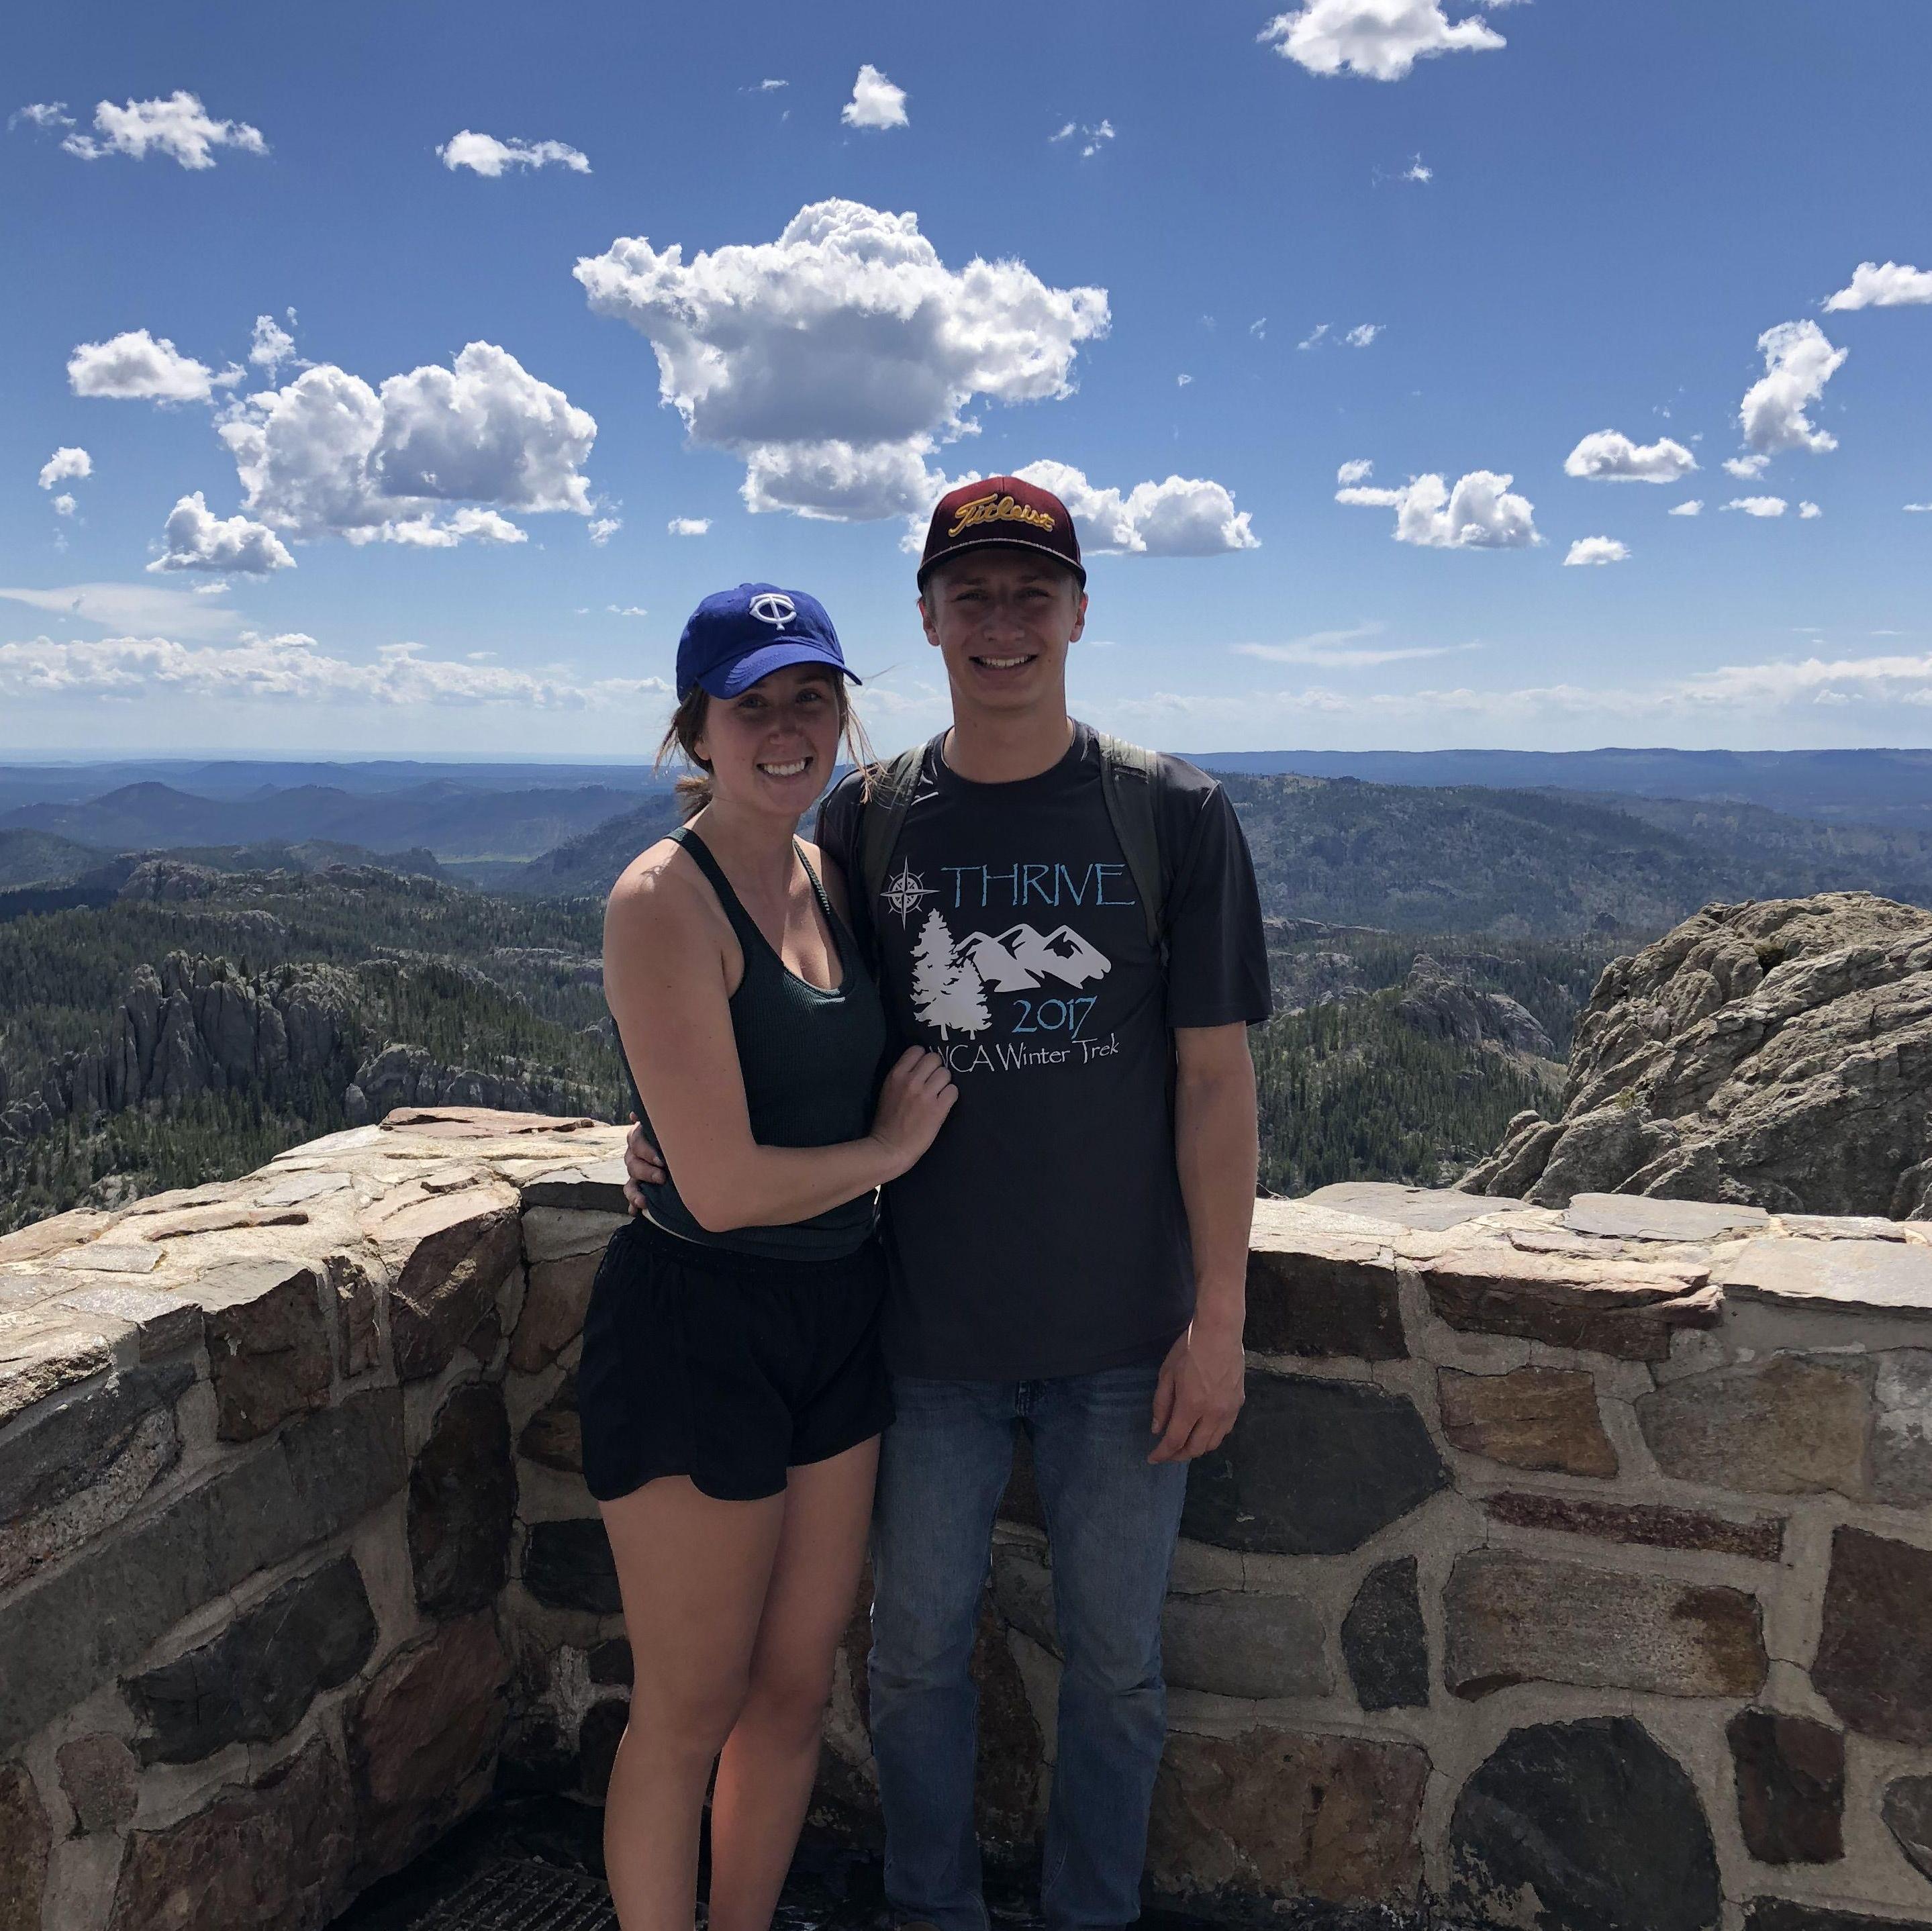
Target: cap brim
{"type": "Point", "coordinates": [734, 680]}
{"type": "Point", "coordinates": [1002, 542]}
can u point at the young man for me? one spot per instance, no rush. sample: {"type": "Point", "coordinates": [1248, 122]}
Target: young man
{"type": "Point", "coordinates": [1070, 1256]}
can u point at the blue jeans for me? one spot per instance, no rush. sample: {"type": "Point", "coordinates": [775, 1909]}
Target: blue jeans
{"type": "Point", "coordinates": [1112, 1520]}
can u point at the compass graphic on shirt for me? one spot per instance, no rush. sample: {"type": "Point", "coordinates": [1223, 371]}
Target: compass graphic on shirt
{"type": "Point", "coordinates": [904, 891]}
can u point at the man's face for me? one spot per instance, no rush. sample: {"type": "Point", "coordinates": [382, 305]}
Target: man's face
{"type": "Point", "coordinates": [1002, 619]}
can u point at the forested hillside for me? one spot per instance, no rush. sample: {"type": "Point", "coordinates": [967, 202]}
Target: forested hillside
{"type": "Point", "coordinates": [203, 1021]}
{"type": "Point", "coordinates": [1531, 864]}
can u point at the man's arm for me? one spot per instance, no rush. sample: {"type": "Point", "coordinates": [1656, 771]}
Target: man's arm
{"type": "Point", "coordinates": [1215, 1149]}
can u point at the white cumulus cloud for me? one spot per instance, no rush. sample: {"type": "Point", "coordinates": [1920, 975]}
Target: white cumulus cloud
{"type": "Point", "coordinates": [484, 154]}
{"type": "Point", "coordinates": [875, 101]}
{"type": "Point", "coordinates": [291, 669]}
{"type": "Point", "coordinates": [271, 344]}
{"type": "Point", "coordinates": [1759, 505]}
{"type": "Point", "coordinates": [833, 361]}
{"type": "Point", "coordinates": [1609, 456]}
{"type": "Point", "coordinates": [1588, 549]}
{"type": "Point", "coordinates": [1380, 40]}
{"type": "Point", "coordinates": [1694, 507]}
{"type": "Point", "coordinates": [1799, 361]}
{"type": "Point", "coordinates": [197, 539]}
{"type": "Point", "coordinates": [45, 115]}
{"type": "Point", "coordinates": [1883, 285]}
{"type": "Point", "coordinates": [1481, 512]}
{"type": "Point", "coordinates": [603, 528]}
{"type": "Point", "coordinates": [1182, 516]}
{"type": "Point", "coordinates": [1359, 471]}
{"type": "Point", "coordinates": [689, 526]}
{"type": "Point", "coordinates": [66, 465]}
{"type": "Point", "coordinates": [65, 505]}
{"type": "Point", "coordinates": [1807, 510]}
{"type": "Point", "coordinates": [179, 127]}
{"type": "Point", "coordinates": [329, 454]}
{"type": "Point", "coordinates": [134, 366]}
{"type": "Point", "coordinates": [1363, 334]}
{"type": "Point", "coordinates": [1746, 468]}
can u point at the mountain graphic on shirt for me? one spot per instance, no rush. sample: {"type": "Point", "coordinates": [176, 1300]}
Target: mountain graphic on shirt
{"type": "Point", "coordinates": [1063, 954]}
{"type": "Point", "coordinates": [993, 963]}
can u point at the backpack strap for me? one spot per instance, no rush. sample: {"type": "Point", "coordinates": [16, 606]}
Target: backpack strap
{"type": "Point", "coordinates": [1127, 784]}
{"type": "Point", "coordinates": [881, 816]}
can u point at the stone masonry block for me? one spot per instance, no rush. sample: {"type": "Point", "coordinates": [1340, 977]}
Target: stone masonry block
{"type": "Point", "coordinates": [254, 1682]}
{"type": "Point", "coordinates": [100, 1779]}
{"type": "Point", "coordinates": [1537, 1418]}
{"type": "Point", "coordinates": [1874, 1660]}
{"type": "Point", "coordinates": [268, 1344]}
{"type": "Point", "coordinates": [1626, 1308]}
{"type": "Point", "coordinates": [1312, 1468]}
{"type": "Point", "coordinates": [26, 1838]}
{"type": "Point", "coordinates": [1277, 1815]}
{"type": "Point", "coordinates": [568, 1565]}
{"type": "Point", "coordinates": [1902, 1430]}
{"type": "Point", "coordinates": [554, 1436]}
{"type": "Point", "coordinates": [1384, 1641]}
{"type": "Point", "coordinates": [65, 1636]}
{"type": "Point", "coordinates": [1245, 1643]}
{"type": "Point", "coordinates": [1791, 1787]}
{"type": "Point", "coordinates": [448, 1254]}
{"type": "Point", "coordinates": [272, 1856]}
{"type": "Point", "coordinates": [554, 1310]}
{"type": "Point", "coordinates": [1514, 1618]}
{"type": "Point", "coordinates": [422, 1740]}
{"type": "Point", "coordinates": [1342, 1302]}
{"type": "Point", "coordinates": [1786, 1426]}
{"type": "Point", "coordinates": [1907, 1811]}
{"type": "Point", "coordinates": [1759, 1538]}
{"type": "Point", "coordinates": [463, 1492]}
{"type": "Point", "coordinates": [1592, 1820]}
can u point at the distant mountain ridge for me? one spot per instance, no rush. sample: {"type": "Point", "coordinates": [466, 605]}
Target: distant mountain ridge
{"type": "Point", "coordinates": [447, 818]}
{"type": "Point", "coordinates": [1875, 787]}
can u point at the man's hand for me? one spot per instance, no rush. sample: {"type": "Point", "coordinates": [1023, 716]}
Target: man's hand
{"type": "Point", "coordinates": [643, 1166]}
{"type": "Point", "coordinates": [1200, 1392]}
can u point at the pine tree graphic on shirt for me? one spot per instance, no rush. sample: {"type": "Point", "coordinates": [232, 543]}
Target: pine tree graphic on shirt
{"type": "Point", "coordinates": [946, 991]}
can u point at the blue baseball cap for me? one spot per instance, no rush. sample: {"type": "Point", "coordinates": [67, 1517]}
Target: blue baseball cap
{"type": "Point", "coordinates": [736, 636]}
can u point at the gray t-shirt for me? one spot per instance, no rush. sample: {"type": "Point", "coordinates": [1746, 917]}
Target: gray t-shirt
{"type": "Point", "coordinates": [1044, 1233]}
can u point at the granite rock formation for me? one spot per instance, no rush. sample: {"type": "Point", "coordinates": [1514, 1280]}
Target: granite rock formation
{"type": "Point", "coordinates": [1441, 1004]}
{"type": "Point", "coordinates": [1776, 1053]}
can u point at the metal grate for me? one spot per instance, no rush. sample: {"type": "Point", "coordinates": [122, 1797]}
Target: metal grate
{"type": "Point", "coordinates": [522, 1895]}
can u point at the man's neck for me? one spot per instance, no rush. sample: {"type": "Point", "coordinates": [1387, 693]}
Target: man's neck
{"type": "Point", "coordinates": [1002, 750]}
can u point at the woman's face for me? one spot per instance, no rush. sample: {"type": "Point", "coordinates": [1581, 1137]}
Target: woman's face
{"type": "Point", "coordinates": [772, 747]}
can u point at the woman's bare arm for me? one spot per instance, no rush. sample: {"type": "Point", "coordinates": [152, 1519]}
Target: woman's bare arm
{"type": "Point", "coordinates": [664, 976]}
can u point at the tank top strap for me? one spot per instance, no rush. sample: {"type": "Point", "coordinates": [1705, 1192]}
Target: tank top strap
{"type": "Point", "coordinates": [752, 942]}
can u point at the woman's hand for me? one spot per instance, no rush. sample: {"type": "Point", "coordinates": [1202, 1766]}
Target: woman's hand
{"type": "Point", "coordinates": [917, 1096]}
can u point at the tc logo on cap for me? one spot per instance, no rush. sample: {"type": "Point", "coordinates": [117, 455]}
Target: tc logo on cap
{"type": "Point", "coordinates": [773, 608]}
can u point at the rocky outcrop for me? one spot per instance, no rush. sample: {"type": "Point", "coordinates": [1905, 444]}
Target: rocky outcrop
{"type": "Point", "coordinates": [287, 1034]}
{"type": "Point", "coordinates": [1442, 1005]}
{"type": "Point", "coordinates": [412, 1076]}
{"type": "Point", "coordinates": [1777, 1054]}
{"type": "Point", "coordinates": [200, 1025]}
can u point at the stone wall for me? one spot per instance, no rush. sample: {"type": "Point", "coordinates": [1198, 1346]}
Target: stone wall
{"type": "Point", "coordinates": [1566, 1568]}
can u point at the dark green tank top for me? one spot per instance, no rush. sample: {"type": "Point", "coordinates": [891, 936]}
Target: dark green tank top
{"type": "Point", "coordinates": [810, 1060]}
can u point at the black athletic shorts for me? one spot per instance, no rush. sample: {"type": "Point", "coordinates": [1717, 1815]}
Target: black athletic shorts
{"type": "Point", "coordinates": [727, 1368]}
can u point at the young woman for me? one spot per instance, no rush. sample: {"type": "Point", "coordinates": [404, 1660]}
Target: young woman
{"type": "Point", "coordinates": [731, 1388]}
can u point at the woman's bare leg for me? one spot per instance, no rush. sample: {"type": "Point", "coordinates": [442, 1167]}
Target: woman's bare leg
{"type": "Point", "coordinates": [694, 1574]}
{"type": "Point", "coordinates": [765, 1773]}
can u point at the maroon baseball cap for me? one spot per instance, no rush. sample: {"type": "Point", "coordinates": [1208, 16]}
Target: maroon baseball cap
{"type": "Point", "coordinates": [1004, 511]}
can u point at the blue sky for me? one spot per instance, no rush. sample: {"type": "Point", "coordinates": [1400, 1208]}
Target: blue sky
{"type": "Point", "coordinates": [1620, 203]}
